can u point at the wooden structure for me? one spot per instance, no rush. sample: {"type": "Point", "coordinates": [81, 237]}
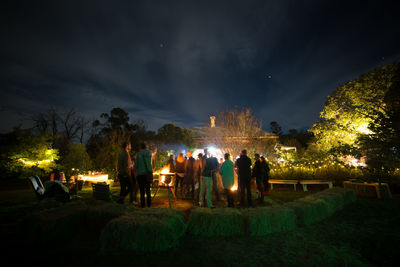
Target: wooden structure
{"type": "Point", "coordinates": [369, 189]}
{"type": "Point", "coordinates": [304, 183]}
{"type": "Point", "coordinates": [293, 182]}
{"type": "Point", "coordinates": [101, 191]}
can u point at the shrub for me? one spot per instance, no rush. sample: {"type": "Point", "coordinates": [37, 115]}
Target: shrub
{"type": "Point", "coordinates": [267, 220]}
{"type": "Point", "coordinates": [216, 222]}
{"type": "Point", "coordinates": [144, 230]}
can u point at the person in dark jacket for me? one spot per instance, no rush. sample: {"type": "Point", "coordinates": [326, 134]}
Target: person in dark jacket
{"type": "Point", "coordinates": [243, 166]}
{"type": "Point", "coordinates": [188, 180]}
{"type": "Point", "coordinates": [266, 168]}
{"type": "Point", "coordinates": [180, 173]}
{"type": "Point", "coordinates": [125, 173]}
{"type": "Point", "coordinates": [259, 174]}
{"type": "Point", "coordinates": [170, 163]}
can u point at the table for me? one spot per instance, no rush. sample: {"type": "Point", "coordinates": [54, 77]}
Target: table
{"type": "Point", "coordinates": [293, 182]}
{"type": "Point", "coordinates": [306, 182]}
{"type": "Point", "coordinates": [367, 189]}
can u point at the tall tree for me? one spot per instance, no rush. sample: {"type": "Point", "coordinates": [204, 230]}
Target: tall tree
{"type": "Point", "coordinates": [382, 148]}
{"type": "Point", "coordinates": [237, 130]}
{"type": "Point", "coordinates": [172, 134]}
{"type": "Point", "coordinates": [25, 153]}
{"type": "Point", "coordinates": [66, 125]}
{"type": "Point", "coordinates": [275, 128]}
{"type": "Point", "coordinates": [352, 107]}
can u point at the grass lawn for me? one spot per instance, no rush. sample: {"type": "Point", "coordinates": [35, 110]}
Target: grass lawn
{"type": "Point", "coordinates": [365, 233]}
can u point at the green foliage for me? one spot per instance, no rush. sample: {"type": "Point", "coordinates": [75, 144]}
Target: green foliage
{"type": "Point", "coordinates": [28, 154]}
{"type": "Point", "coordinates": [216, 222]}
{"type": "Point", "coordinates": [267, 220]}
{"type": "Point", "coordinates": [172, 134]}
{"type": "Point", "coordinates": [352, 107]}
{"type": "Point", "coordinates": [326, 169]}
{"type": "Point", "coordinates": [108, 150]}
{"type": "Point", "coordinates": [160, 159]}
{"type": "Point", "coordinates": [383, 147]}
{"type": "Point", "coordinates": [77, 160]}
{"type": "Point", "coordinates": [147, 230]}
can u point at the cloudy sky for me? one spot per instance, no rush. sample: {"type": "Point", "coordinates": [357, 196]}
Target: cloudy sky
{"type": "Point", "coordinates": [182, 61]}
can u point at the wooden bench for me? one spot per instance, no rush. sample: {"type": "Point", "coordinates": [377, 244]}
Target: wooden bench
{"type": "Point", "coordinates": [367, 189]}
{"type": "Point", "coordinates": [306, 182]}
{"type": "Point", "coordinates": [293, 182]}
{"type": "Point", "coordinates": [101, 191]}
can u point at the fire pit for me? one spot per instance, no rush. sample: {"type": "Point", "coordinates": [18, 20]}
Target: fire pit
{"type": "Point", "coordinates": [166, 180]}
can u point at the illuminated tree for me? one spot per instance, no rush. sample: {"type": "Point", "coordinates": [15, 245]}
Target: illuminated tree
{"type": "Point", "coordinates": [352, 107]}
{"type": "Point", "coordinates": [24, 153]}
{"type": "Point", "coordinates": [382, 148]}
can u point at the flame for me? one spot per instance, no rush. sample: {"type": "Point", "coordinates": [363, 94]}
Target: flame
{"type": "Point", "coordinates": [234, 188]}
{"type": "Point", "coordinates": [164, 170]}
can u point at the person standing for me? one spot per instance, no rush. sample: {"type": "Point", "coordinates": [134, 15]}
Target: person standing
{"type": "Point", "coordinates": [206, 180]}
{"type": "Point", "coordinates": [197, 170]}
{"type": "Point", "coordinates": [243, 165]}
{"type": "Point", "coordinates": [266, 168]}
{"type": "Point", "coordinates": [228, 179]}
{"type": "Point", "coordinates": [142, 166]}
{"type": "Point", "coordinates": [125, 173]}
{"type": "Point", "coordinates": [134, 185]}
{"type": "Point", "coordinates": [188, 180]}
{"type": "Point", "coordinates": [214, 161]}
{"type": "Point", "coordinates": [170, 163]}
{"type": "Point", "coordinates": [259, 173]}
{"type": "Point", "coordinates": [180, 173]}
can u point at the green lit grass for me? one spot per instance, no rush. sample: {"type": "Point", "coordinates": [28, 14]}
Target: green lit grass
{"type": "Point", "coordinates": [364, 233]}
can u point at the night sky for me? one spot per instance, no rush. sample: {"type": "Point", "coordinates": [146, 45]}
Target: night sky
{"type": "Point", "coordinates": [182, 61]}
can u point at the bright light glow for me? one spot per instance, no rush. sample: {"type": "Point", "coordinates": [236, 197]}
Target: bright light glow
{"type": "Point", "coordinates": [364, 129]}
{"type": "Point", "coordinates": [234, 188]}
{"type": "Point", "coordinates": [96, 178]}
{"type": "Point", "coordinates": [166, 172]}
{"type": "Point", "coordinates": [31, 163]}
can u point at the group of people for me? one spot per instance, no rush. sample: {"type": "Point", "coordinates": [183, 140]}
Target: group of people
{"type": "Point", "coordinates": [133, 173]}
{"type": "Point", "coordinates": [194, 178]}
{"type": "Point", "coordinates": [245, 171]}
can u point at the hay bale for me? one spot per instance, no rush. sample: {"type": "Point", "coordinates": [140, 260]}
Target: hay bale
{"type": "Point", "coordinates": [145, 230]}
{"type": "Point", "coordinates": [309, 210]}
{"type": "Point", "coordinates": [216, 222]}
{"type": "Point", "coordinates": [336, 197]}
{"type": "Point", "coordinates": [334, 200]}
{"type": "Point", "coordinates": [267, 220]}
{"type": "Point", "coordinates": [57, 225]}
{"type": "Point", "coordinates": [98, 216]}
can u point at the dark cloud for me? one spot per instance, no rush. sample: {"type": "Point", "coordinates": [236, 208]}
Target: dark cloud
{"type": "Point", "coordinates": [181, 61]}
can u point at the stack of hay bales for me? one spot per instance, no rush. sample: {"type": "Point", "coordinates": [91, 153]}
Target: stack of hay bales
{"type": "Point", "coordinates": [143, 230]}
{"type": "Point", "coordinates": [268, 220]}
{"type": "Point", "coordinates": [98, 216]}
{"type": "Point", "coordinates": [55, 226]}
{"type": "Point", "coordinates": [216, 222]}
{"type": "Point", "coordinates": [321, 205]}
